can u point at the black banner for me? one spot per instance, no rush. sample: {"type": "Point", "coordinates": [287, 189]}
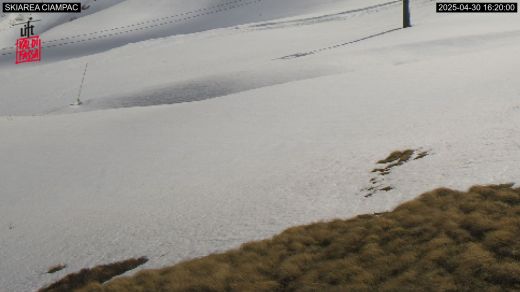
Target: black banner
{"type": "Point", "coordinates": [477, 7]}
{"type": "Point", "coordinates": [47, 7]}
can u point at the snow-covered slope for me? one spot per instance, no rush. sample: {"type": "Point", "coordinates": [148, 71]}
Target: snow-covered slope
{"type": "Point", "coordinates": [272, 142]}
{"type": "Point", "coordinates": [137, 20]}
{"type": "Point", "coordinates": [180, 64]}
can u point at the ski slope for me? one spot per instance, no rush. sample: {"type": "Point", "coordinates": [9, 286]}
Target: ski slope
{"type": "Point", "coordinates": [199, 135]}
{"type": "Point", "coordinates": [105, 25]}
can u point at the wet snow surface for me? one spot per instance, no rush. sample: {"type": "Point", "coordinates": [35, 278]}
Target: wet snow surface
{"type": "Point", "coordinates": [196, 135]}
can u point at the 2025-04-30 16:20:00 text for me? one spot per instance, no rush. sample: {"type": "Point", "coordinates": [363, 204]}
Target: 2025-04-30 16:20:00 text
{"type": "Point", "coordinates": [477, 7]}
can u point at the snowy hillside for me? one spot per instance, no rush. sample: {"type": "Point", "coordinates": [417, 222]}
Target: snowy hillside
{"type": "Point", "coordinates": [136, 20]}
{"type": "Point", "coordinates": [224, 124]}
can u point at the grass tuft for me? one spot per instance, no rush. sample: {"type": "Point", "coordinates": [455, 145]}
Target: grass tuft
{"type": "Point", "coordinates": [99, 274]}
{"type": "Point", "coordinates": [56, 268]}
{"type": "Point", "coordinates": [398, 157]}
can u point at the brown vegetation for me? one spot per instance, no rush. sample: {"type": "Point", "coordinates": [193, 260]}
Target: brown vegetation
{"type": "Point", "coordinates": [421, 155]}
{"type": "Point", "coordinates": [395, 159]}
{"type": "Point", "coordinates": [99, 274]}
{"type": "Point", "coordinates": [56, 268]}
{"type": "Point", "coordinates": [443, 241]}
{"type": "Point", "coordinates": [387, 189]}
{"type": "Point", "coordinates": [398, 157]}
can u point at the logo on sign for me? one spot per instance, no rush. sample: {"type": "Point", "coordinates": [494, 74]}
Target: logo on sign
{"type": "Point", "coordinates": [28, 46]}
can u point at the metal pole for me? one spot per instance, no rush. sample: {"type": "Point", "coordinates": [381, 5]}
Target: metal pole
{"type": "Point", "coordinates": [78, 101]}
{"type": "Point", "coordinates": [406, 14]}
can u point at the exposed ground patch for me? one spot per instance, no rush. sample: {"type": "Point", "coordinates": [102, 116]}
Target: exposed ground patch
{"type": "Point", "coordinates": [56, 268]}
{"type": "Point", "coordinates": [377, 182]}
{"type": "Point", "coordinates": [98, 274]}
{"type": "Point", "coordinates": [445, 240]}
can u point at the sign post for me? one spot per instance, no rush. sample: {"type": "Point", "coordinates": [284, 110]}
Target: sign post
{"type": "Point", "coordinates": [407, 22]}
{"type": "Point", "coordinates": [78, 100]}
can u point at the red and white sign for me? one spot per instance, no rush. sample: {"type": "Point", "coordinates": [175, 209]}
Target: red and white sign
{"type": "Point", "coordinates": [28, 49]}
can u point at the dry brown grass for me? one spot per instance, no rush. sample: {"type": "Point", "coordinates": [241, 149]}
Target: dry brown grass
{"type": "Point", "coordinates": [99, 274]}
{"type": "Point", "coordinates": [443, 241]}
{"type": "Point", "coordinates": [56, 268]}
{"type": "Point", "coordinates": [421, 155]}
{"type": "Point", "coordinates": [394, 160]}
{"type": "Point", "coordinates": [398, 157]}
